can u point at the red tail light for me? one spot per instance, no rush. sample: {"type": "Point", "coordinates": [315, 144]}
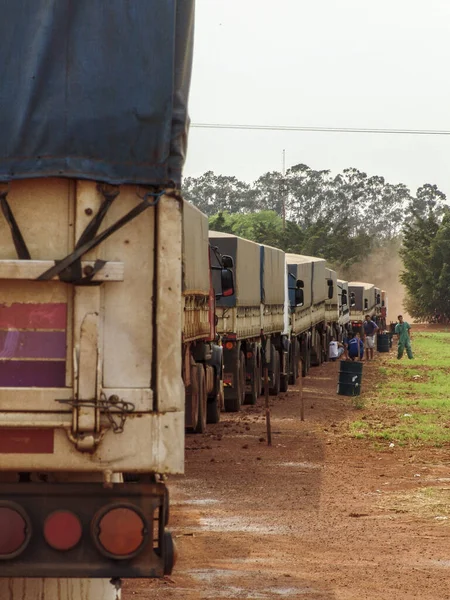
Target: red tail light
{"type": "Point", "coordinates": [120, 532]}
{"type": "Point", "coordinates": [15, 531]}
{"type": "Point", "coordinates": [62, 530]}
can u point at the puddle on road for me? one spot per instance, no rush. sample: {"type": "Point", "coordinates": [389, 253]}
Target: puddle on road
{"type": "Point", "coordinates": [298, 465]}
{"type": "Point", "coordinates": [443, 564]}
{"type": "Point", "coordinates": [265, 594]}
{"type": "Point", "coordinates": [196, 502]}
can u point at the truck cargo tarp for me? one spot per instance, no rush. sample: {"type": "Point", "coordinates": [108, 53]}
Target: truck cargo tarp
{"type": "Point", "coordinates": [95, 89]}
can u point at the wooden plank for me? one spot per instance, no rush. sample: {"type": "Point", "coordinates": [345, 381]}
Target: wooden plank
{"type": "Point", "coordinates": [32, 269]}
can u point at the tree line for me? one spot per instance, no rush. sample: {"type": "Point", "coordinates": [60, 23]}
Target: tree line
{"type": "Point", "coordinates": [343, 218]}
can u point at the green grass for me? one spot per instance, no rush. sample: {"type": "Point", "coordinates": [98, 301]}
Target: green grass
{"type": "Point", "coordinates": [410, 401]}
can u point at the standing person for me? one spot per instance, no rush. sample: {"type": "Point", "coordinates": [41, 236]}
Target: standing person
{"type": "Point", "coordinates": [369, 328]}
{"type": "Point", "coordinates": [355, 347]}
{"type": "Point", "coordinates": [402, 329]}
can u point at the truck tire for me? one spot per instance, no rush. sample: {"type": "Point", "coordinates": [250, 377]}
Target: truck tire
{"type": "Point", "coordinates": [169, 553]}
{"type": "Point", "coordinates": [192, 397]}
{"type": "Point", "coordinates": [327, 344]}
{"type": "Point", "coordinates": [274, 390]}
{"type": "Point", "coordinates": [306, 359]}
{"type": "Point", "coordinates": [202, 400]}
{"type": "Point", "coordinates": [234, 404]}
{"type": "Point", "coordinates": [260, 373]}
{"type": "Point", "coordinates": [284, 382]}
{"type": "Point", "coordinates": [252, 396]}
{"type": "Point", "coordinates": [215, 404]}
{"type": "Point", "coordinates": [293, 360]}
{"type": "Point", "coordinates": [317, 351]}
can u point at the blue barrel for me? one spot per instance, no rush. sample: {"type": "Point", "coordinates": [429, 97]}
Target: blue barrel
{"type": "Point", "coordinates": [383, 342]}
{"type": "Point", "coordinates": [350, 378]}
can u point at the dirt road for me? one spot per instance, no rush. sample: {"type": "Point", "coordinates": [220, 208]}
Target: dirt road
{"type": "Point", "coordinates": [319, 515]}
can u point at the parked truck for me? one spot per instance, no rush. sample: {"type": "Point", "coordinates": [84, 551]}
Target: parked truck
{"type": "Point", "coordinates": [202, 355]}
{"type": "Point", "coordinates": [307, 296]}
{"type": "Point", "coordinates": [362, 302]}
{"type": "Point", "coordinates": [93, 112]}
{"type": "Point", "coordinates": [250, 321]}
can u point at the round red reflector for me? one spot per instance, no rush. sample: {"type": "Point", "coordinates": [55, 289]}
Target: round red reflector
{"type": "Point", "coordinates": [121, 531]}
{"type": "Point", "coordinates": [62, 530]}
{"type": "Point", "coordinates": [13, 531]}
{"type": "Point", "coordinates": [229, 345]}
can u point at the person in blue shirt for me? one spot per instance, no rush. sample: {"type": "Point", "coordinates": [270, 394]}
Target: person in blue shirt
{"type": "Point", "coordinates": [355, 347]}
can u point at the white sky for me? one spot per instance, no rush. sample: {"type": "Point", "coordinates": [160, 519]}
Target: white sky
{"type": "Point", "coordinates": [332, 63]}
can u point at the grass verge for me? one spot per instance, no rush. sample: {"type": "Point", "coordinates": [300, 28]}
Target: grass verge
{"type": "Point", "coordinates": [409, 400]}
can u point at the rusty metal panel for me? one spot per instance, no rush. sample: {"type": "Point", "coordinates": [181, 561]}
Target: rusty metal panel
{"type": "Point", "coordinates": [41, 357]}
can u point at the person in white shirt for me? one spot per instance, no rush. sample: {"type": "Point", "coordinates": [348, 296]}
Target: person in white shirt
{"type": "Point", "coordinates": [335, 349]}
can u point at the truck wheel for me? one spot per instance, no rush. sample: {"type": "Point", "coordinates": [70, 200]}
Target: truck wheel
{"type": "Point", "coordinates": [292, 363]}
{"type": "Point", "coordinates": [275, 389]}
{"type": "Point", "coordinates": [284, 384]}
{"type": "Point", "coordinates": [252, 396]}
{"type": "Point", "coordinates": [192, 396]}
{"type": "Point", "coordinates": [234, 404]}
{"type": "Point", "coordinates": [306, 362]}
{"type": "Point", "coordinates": [327, 345]}
{"type": "Point", "coordinates": [202, 400]}
{"type": "Point", "coordinates": [215, 404]}
{"type": "Point", "coordinates": [259, 372]}
{"type": "Point", "coordinates": [169, 553]}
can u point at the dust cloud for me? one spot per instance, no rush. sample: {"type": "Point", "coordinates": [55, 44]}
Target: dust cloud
{"type": "Point", "coordinates": [382, 268]}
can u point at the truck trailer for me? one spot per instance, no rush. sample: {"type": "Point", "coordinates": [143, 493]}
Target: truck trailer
{"type": "Point", "coordinates": [93, 112]}
{"type": "Point", "coordinates": [250, 321]}
{"type": "Point", "coordinates": [307, 296]}
{"type": "Point", "coordinates": [362, 303]}
{"type": "Point", "coordinates": [202, 355]}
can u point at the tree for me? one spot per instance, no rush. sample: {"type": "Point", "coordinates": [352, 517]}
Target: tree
{"type": "Point", "coordinates": [421, 261]}
{"type": "Point", "coordinates": [344, 218]}
{"type": "Point", "coordinates": [214, 193]}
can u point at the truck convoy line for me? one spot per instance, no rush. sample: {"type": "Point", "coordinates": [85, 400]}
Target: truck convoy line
{"type": "Point", "coordinates": [123, 319]}
{"type": "Point", "coordinates": [283, 308]}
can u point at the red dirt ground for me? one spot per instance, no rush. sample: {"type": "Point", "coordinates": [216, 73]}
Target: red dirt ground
{"type": "Point", "coordinates": [314, 516]}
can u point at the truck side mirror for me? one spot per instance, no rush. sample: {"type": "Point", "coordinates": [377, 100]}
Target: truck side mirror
{"type": "Point", "coordinates": [227, 281]}
{"type": "Point", "coordinates": [299, 299]}
{"type": "Point", "coordinates": [227, 262]}
{"type": "Point", "coordinates": [352, 299]}
{"type": "Point", "coordinates": [330, 289]}
{"type": "Point", "coordinates": [300, 284]}
{"type": "Point", "coordinates": [382, 304]}
{"type": "Point", "coordinates": [344, 298]}
{"type": "Point", "coordinates": [366, 304]}
{"type": "Point", "coordinates": [378, 298]}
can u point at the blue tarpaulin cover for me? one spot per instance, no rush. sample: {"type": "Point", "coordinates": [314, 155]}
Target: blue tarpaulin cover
{"type": "Point", "coordinates": [95, 89]}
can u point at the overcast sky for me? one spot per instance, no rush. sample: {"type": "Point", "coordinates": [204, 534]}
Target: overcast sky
{"type": "Point", "coordinates": [331, 63]}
